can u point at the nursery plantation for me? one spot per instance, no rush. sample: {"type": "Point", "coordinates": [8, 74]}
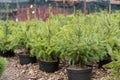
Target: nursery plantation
{"type": "Point", "coordinates": [72, 47]}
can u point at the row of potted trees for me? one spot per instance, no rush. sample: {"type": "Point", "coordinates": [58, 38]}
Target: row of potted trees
{"type": "Point", "coordinates": [76, 38]}
{"type": "Point", "coordinates": [5, 46]}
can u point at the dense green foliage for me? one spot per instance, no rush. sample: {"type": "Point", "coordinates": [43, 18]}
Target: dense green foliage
{"type": "Point", "coordinates": [3, 63]}
{"type": "Point", "coordinates": [20, 35]}
{"type": "Point", "coordinates": [114, 47]}
{"type": "Point", "coordinates": [44, 39]}
{"type": "Point", "coordinates": [114, 66]}
{"type": "Point", "coordinates": [5, 34]}
{"type": "Point", "coordinates": [77, 38]}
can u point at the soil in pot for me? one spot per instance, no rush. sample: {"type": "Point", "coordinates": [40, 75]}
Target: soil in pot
{"type": "Point", "coordinates": [79, 74]}
{"type": "Point", "coordinates": [9, 53]}
{"type": "Point", "coordinates": [49, 67]}
{"type": "Point", "coordinates": [26, 59]}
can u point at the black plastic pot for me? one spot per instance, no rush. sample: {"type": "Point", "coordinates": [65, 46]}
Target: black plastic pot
{"type": "Point", "coordinates": [9, 53]}
{"type": "Point", "coordinates": [49, 67]}
{"type": "Point", "coordinates": [76, 74]}
{"type": "Point", "coordinates": [26, 59]}
{"type": "Point", "coordinates": [106, 60]}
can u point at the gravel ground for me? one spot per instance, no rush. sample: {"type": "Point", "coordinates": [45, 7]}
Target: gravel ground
{"type": "Point", "coordinates": [15, 71]}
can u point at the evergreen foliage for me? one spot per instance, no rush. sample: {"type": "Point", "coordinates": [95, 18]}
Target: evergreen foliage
{"type": "Point", "coordinates": [3, 63]}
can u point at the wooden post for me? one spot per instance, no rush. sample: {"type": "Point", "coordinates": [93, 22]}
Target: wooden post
{"type": "Point", "coordinates": [85, 7]}
{"type": "Point", "coordinates": [28, 14]}
{"type": "Point", "coordinates": [35, 11]}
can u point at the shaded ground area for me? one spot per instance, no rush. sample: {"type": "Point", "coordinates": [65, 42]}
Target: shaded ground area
{"type": "Point", "coordinates": [15, 71]}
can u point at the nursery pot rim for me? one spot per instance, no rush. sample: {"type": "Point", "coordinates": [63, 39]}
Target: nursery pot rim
{"type": "Point", "coordinates": [27, 55]}
{"type": "Point", "coordinates": [48, 61]}
{"type": "Point", "coordinates": [24, 54]}
{"type": "Point", "coordinates": [78, 69]}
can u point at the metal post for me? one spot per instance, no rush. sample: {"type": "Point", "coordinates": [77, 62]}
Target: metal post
{"type": "Point", "coordinates": [109, 7]}
{"type": "Point", "coordinates": [17, 4]}
{"type": "Point", "coordinates": [64, 5]}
